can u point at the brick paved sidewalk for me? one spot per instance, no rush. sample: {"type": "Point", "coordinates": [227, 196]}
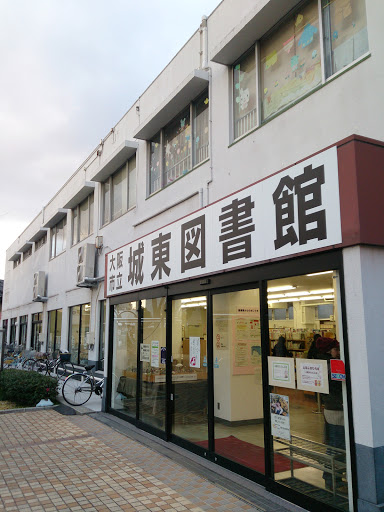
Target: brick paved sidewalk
{"type": "Point", "coordinates": [51, 462]}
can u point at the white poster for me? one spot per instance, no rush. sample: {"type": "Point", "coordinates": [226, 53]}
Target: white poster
{"type": "Point", "coordinates": [280, 416]}
{"type": "Point", "coordinates": [145, 353]}
{"type": "Point", "coordinates": [196, 245]}
{"type": "Point", "coordinates": [281, 372]}
{"type": "Point", "coordinates": [194, 352]}
{"type": "Point", "coordinates": [312, 375]}
{"type": "Point", "coordinates": [155, 353]}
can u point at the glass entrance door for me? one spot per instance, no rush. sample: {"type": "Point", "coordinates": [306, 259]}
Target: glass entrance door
{"type": "Point", "coordinates": [189, 416]}
{"type": "Point", "coordinates": [238, 391]}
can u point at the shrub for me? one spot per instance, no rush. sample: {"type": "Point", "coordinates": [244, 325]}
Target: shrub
{"type": "Point", "coordinates": [26, 388]}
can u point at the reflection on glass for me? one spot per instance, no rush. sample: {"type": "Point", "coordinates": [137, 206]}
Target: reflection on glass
{"type": "Point", "coordinates": [244, 95]}
{"type": "Point", "coordinates": [74, 334]}
{"type": "Point", "coordinates": [200, 129]}
{"type": "Point", "coordinates": [23, 331]}
{"type": "Point", "coordinates": [36, 330]}
{"type": "Point", "coordinates": [189, 369]}
{"type": "Point", "coordinates": [84, 333]}
{"type": "Point", "coordinates": [290, 60]}
{"type": "Point", "coordinates": [152, 356]}
{"type": "Point", "coordinates": [54, 331]}
{"type": "Point", "coordinates": [239, 419]}
{"type": "Point", "coordinates": [177, 148]}
{"type": "Point", "coordinates": [155, 165]}
{"type": "Point", "coordinates": [124, 358]}
{"type": "Point", "coordinates": [308, 426]}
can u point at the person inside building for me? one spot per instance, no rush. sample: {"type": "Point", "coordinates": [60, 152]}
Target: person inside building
{"type": "Point", "coordinates": [312, 352]}
{"type": "Point", "coordinates": [334, 436]}
{"type": "Point", "coordinates": [280, 350]}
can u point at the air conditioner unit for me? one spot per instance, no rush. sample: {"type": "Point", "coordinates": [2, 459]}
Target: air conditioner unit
{"type": "Point", "coordinates": [85, 262]}
{"type": "Point", "coordinates": [38, 285]}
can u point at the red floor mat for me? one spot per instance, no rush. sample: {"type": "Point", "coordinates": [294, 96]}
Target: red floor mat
{"type": "Point", "coordinates": [248, 454]}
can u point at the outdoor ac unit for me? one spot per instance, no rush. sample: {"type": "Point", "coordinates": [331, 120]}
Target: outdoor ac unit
{"type": "Point", "coordinates": [85, 262]}
{"type": "Point", "coordinates": [38, 285]}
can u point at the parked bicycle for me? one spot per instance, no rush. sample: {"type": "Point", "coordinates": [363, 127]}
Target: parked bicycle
{"type": "Point", "coordinates": [78, 387]}
{"type": "Point", "coordinates": [59, 367]}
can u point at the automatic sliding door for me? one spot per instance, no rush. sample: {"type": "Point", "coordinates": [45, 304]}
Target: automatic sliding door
{"type": "Point", "coordinates": [238, 392]}
{"type": "Point", "coordinates": [189, 369]}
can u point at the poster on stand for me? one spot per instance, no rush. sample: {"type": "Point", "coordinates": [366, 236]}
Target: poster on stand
{"type": "Point", "coordinates": [145, 353]}
{"type": "Point", "coordinates": [281, 372]}
{"type": "Point", "coordinates": [155, 353]}
{"type": "Point", "coordinates": [194, 351]}
{"type": "Point", "coordinates": [280, 416]}
{"type": "Point", "coordinates": [312, 375]}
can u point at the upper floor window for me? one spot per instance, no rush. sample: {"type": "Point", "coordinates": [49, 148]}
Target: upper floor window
{"type": "Point", "coordinates": [82, 219]}
{"type": "Point", "coordinates": [292, 60]}
{"type": "Point", "coordinates": [180, 146]}
{"type": "Point", "coordinates": [40, 242]}
{"type": "Point", "coordinates": [58, 238]}
{"type": "Point", "coordinates": [27, 253]}
{"type": "Point", "coordinates": [16, 262]}
{"type": "Point", "coordinates": [119, 192]}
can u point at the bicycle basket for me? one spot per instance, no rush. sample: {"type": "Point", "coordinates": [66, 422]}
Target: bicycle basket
{"type": "Point", "coordinates": [65, 357]}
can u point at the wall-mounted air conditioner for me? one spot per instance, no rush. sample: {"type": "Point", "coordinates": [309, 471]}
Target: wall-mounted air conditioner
{"type": "Point", "coordinates": [38, 286]}
{"type": "Point", "coordinates": [85, 263]}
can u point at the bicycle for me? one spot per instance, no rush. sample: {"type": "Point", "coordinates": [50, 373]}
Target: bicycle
{"type": "Point", "coordinates": [59, 367]}
{"type": "Point", "coordinates": [78, 387]}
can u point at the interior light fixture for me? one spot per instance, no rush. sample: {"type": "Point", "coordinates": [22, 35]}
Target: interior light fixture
{"type": "Point", "coordinates": [281, 288]}
{"type": "Point", "coordinates": [320, 273]}
{"type": "Point", "coordinates": [320, 292]}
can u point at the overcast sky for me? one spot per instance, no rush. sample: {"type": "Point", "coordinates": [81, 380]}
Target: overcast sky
{"type": "Point", "coordinates": [69, 70]}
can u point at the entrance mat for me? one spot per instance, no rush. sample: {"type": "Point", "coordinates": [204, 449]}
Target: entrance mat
{"type": "Point", "coordinates": [323, 495]}
{"type": "Point", "coordinates": [248, 454]}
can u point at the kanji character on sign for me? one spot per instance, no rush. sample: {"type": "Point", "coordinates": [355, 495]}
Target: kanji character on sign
{"type": "Point", "coordinates": [311, 224]}
{"type": "Point", "coordinates": [135, 262]}
{"type": "Point", "coordinates": [160, 255]}
{"type": "Point", "coordinates": [193, 244]}
{"type": "Point", "coordinates": [237, 226]}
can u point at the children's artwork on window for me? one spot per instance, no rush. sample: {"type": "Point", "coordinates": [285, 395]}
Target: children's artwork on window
{"type": "Point", "coordinates": [288, 45]}
{"type": "Point", "coordinates": [307, 35]}
{"type": "Point", "coordinates": [299, 19]}
{"type": "Point", "coordinates": [271, 59]}
{"type": "Point", "coordinates": [243, 99]}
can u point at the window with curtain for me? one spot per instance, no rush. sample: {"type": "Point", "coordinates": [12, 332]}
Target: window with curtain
{"type": "Point", "coordinates": [82, 220]}
{"type": "Point", "coordinates": [119, 192]}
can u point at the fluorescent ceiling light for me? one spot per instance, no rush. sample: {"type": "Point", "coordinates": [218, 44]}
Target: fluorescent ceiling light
{"type": "Point", "coordinates": [327, 290]}
{"type": "Point", "coordinates": [281, 288]}
{"type": "Point", "coordinates": [320, 273]}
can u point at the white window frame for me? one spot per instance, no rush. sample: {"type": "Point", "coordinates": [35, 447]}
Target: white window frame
{"type": "Point", "coordinates": [54, 253]}
{"type": "Point", "coordinates": [76, 219]}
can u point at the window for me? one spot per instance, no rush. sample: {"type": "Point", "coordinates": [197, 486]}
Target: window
{"type": "Point", "coordinates": [54, 330]}
{"type": "Point", "coordinates": [13, 331]}
{"type": "Point", "coordinates": [178, 147]}
{"type": "Point", "coordinates": [79, 333]}
{"type": "Point", "coordinates": [119, 192]}
{"type": "Point", "coordinates": [289, 61]}
{"type": "Point", "coordinates": [23, 331]}
{"type": "Point", "coordinates": [39, 243]}
{"type": "Point", "coordinates": [27, 253]}
{"type": "Point", "coordinates": [82, 220]}
{"type": "Point", "coordinates": [58, 238]}
{"type": "Point", "coordinates": [17, 262]}
{"type": "Point", "coordinates": [37, 320]}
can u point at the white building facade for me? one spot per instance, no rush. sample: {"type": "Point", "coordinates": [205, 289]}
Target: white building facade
{"type": "Point", "coordinates": [237, 202]}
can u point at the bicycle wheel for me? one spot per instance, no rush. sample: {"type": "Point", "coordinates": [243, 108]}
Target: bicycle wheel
{"type": "Point", "coordinates": [28, 364]}
{"type": "Point", "coordinates": [63, 369]}
{"type": "Point", "coordinates": [40, 366]}
{"type": "Point", "coordinates": [77, 389]}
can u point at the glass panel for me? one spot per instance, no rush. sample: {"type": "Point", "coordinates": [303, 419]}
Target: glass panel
{"type": "Point", "coordinates": [60, 236]}
{"type": "Point", "coordinates": [124, 358]}
{"type": "Point", "coordinates": [106, 202]}
{"type": "Point", "coordinates": [132, 182]}
{"type": "Point", "coordinates": [23, 331]}
{"type": "Point", "coordinates": [308, 424]}
{"type": "Point", "coordinates": [152, 393]}
{"type": "Point", "coordinates": [57, 339]}
{"type": "Point", "coordinates": [51, 331]}
{"type": "Point", "coordinates": [189, 369]}
{"type": "Point", "coordinates": [244, 95]}
{"type": "Point", "coordinates": [201, 129]}
{"type": "Point", "coordinates": [84, 334]}
{"type": "Point", "coordinates": [177, 148]}
{"type": "Point", "coordinates": [91, 212]}
{"type": "Point", "coordinates": [53, 242]}
{"type": "Point", "coordinates": [290, 60]}
{"type": "Point", "coordinates": [75, 227]}
{"type": "Point", "coordinates": [103, 307]}
{"type": "Point", "coordinates": [36, 331]}
{"type": "Point", "coordinates": [345, 33]}
{"type": "Point", "coordinates": [155, 165]}
{"type": "Point", "coordinates": [84, 219]}
{"type": "Point", "coordinates": [119, 193]}
{"type": "Point", "coordinates": [13, 331]}
{"type": "Point", "coordinates": [75, 333]}
{"type": "Point", "coordinates": [238, 408]}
